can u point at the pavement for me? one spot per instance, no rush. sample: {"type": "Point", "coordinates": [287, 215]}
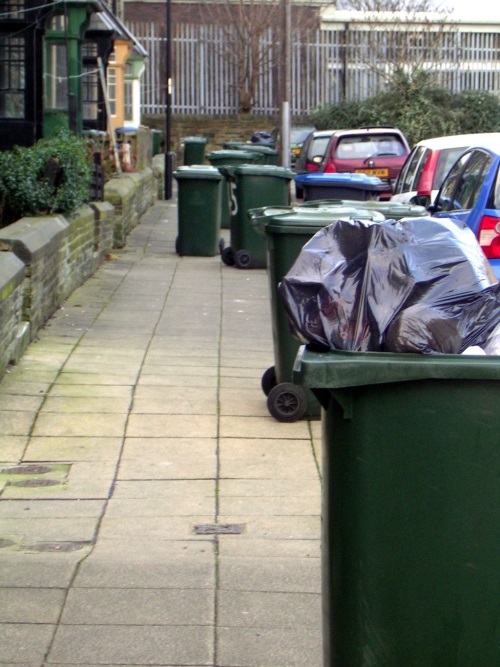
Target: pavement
{"type": "Point", "coordinates": [152, 512]}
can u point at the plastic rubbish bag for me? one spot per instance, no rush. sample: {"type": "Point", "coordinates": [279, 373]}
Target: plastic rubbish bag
{"type": "Point", "coordinates": [262, 138]}
{"type": "Point", "coordinates": [355, 279]}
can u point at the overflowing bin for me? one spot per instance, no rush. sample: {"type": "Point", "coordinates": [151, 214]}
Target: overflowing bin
{"type": "Point", "coordinates": [411, 543]}
{"type": "Point", "coordinates": [360, 187]}
{"type": "Point", "coordinates": [230, 158]}
{"type": "Point", "coordinates": [194, 150]}
{"type": "Point", "coordinates": [252, 186]}
{"type": "Point", "coordinates": [286, 230]}
{"type": "Point", "coordinates": [199, 210]}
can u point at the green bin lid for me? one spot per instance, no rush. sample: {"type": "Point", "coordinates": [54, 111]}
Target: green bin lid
{"type": "Point", "coordinates": [195, 140]}
{"type": "Point", "coordinates": [335, 369]}
{"type": "Point", "coordinates": [198, 171]}
{"type": "Point", "coordinates": [274, 221]}
{"type": "Point", "coordinates": [392, 210]}
{"type": "Point", "coordinates": [264, 170]}
{"type": "Point", "coordinates": [220, 156]}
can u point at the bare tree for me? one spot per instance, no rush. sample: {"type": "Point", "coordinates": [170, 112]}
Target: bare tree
{"type": "Point", "coordinates": [252, 40]}
{"type": "Point", "coordinates": [404, 40]}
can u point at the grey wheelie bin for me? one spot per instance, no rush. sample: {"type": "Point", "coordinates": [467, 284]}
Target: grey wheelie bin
{"type": "Point", "coordinates": [361, 187]}
{"type": "Point", "coordinates": [194, 150]}
{"type": "Point", "coordinates": [199, 210]}
{"type": "Point", "coordinates": [252, 187]}
{"type": "Point", "coordinates": [411, 495]}
{"type": "Point", "coordinates": [230, 158]}
{"type": "Point", "coordinates": [286, 230]}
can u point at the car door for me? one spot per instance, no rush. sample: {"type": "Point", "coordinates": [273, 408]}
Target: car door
{"type": "Point", "coordinates": [407, 182]}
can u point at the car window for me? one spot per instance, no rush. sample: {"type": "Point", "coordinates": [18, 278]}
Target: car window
{"type": "Point", "coordinates": [446, 160]}
{"type": "Point", "coordinates": [362, 147]}
{"type": "Point", "coordinates": [299, 134]}
{"type": "Point", "coordinates": [317, 147]}
{"type": "Point", "coordinates": [410, 174]}
{"type": "Point", "coordinates": [463, 183]}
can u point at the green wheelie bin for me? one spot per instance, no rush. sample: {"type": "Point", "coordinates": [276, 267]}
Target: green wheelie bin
{"type": "Point", "coordinates": [198, 210]}
{"type": "Point", "coordinates": [286, 230]}
{"type": "Point", "coordinates": [391, 210]}
{"type": "Point", "coordinates": [252, 187]}
{"type": "Point", "coordinates": [267, 154]}
{"type": "Point", "coordinates": [230, 158]}
{"type": "Point", "coordinates": [194, 150]}
{"type": "Point", "coordinates": [411, 498]}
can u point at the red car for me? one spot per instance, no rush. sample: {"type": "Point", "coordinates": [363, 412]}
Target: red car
{"type": "Point", "coordinates": [377, 151]}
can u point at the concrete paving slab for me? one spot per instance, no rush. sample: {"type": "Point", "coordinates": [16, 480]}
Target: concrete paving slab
{"type": "Point", "coordinates": [15, 387]}
{"type": "Point", "coordinates": [145, 606]}
{"type": "Point", "coordinates": [283, 575]}
{"type": "Point", "coordinates": [262, 427]}
{"type": "Point", "coordinates": [37, 570]}
{"type": "Point", "coordinates": [71, 424]}
{"type": "Point", "coordinates": [159, 489]}
{"type": "Point", "coordinates": [95, 379]}
{"type": "Point", "coordinates": [275, 527]}
{"type": "Point", "coordinates": [29, 605]}
{"type": "Point", "coordinates": [25, 642]}
{"type": "Point", "coordinates": [250, 609]}
{"type": "Point", "coordinates": [169, 506]}
{"type": "Point", "coordinates": [49, 509]}
{"type": "Point", "coordinates": [263, 647]}
{"type": "Point", "coordinates": [91, 390]}
{"type": "Point", "coordinates": [178, 380]}
{"type": "Point", "coordinates": [28, 403]}
{"type": "Point", "coordinates": [12, 447]}
{"type": "Point", "coordinates": [16, 423]}
{"type": "Point", "coordinates": [171, 425]}
{"type": "Point", "coordinates": [50, 529]}
{"type": "Point", "coordinates": [266, 548]}
{"type": "Point", "coordinates": [42, 448]}
{"type": "Point", "coordinates": [182, 400]}
{"type": "Point", "coordinates": [133, 645]}
{"type": "Point", "coordinates": [152, 527]}
{"type": "Point", "coordinates": [101, 404]}
{"type": "Point", "coordinates": [269, 505]}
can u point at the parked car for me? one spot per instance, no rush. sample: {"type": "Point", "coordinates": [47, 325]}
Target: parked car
{"type": "Point", "coordinates": [298, 135]}
{"type": "Point", "coordinates": [311, 155]}
{"type": "Point", "coordinates": [470, 193]}
{"type": "Point", "coordinates": [428, 164]}
{"type": "Point", "coordinates": [377, 151]}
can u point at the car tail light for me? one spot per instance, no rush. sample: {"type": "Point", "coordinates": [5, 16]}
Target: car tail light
{"type": "Point", "coordinates": [489, 236]}
{"type": "Point", "coordinates": [312, 166]}
{"type": "Point", "coordinates": [330, 168]}
{"type": "Point", "coordinates": [427, 175]}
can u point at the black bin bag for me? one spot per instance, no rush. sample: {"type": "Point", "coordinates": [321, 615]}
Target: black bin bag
{"type": "Point", "coordinates": [416, 285]}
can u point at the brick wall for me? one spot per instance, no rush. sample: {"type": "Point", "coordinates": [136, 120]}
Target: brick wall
{"type": "Point", "coordinates": [44, 259]}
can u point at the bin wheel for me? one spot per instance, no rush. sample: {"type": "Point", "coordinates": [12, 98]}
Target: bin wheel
{"type": "Point", "coordinates": [221, 245]}
{"type": "Point", "coordinates": [268, 380]}
{"type": "Point", "coordinates": [243, 259]}
{"type": "Point", "coordinates": [227, 256]}
{"type": "Point", "coordinates": [177, 246]}
{"type": "Point", "coordinates": [287, 402]}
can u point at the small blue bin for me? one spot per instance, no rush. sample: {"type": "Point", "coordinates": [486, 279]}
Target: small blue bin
{"type": "Point", "coordinates": [360, 187]}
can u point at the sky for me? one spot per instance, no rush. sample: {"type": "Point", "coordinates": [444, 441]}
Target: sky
{"type": "Point", "coordinates": [488, 9]}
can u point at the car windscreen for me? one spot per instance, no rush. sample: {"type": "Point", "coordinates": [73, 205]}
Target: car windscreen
{"type": "Point", "coordinates": [362, 147]}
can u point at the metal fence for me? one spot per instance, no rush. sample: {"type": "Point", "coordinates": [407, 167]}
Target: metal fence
{"type": "Point", "coordinates": [327, 66]}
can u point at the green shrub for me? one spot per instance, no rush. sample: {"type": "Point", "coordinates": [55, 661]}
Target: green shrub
{"type": "Point", "coordinates": [53, 176]}
{"type": "Point", "coordinates": [419, 109]}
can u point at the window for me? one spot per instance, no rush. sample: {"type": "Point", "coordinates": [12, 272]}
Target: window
{"type": "Point", "coordinates": [90, 93]}
{"type": "Point", "coordinates": [112, 90]}
{"type": "Point", "coordinates": [12, 82]}
{"type": "Point", "coordinates": [56, 76]}
{"type": "Point", "coordinates": [128, 102]}
{"type": "Point", "coordinates": [463, 184]}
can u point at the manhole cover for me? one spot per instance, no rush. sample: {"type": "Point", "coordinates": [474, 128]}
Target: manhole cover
{"type": "Point", "coordinates": [35, 482]}
{"type": "Point", "coordinates": [31, 469]}
{"type": "Point", "coordinates": [5, 543]}
{"type": "Point", "coordinates": [56, 546]}
{"type": "Point", "coordinates": [219, 529]}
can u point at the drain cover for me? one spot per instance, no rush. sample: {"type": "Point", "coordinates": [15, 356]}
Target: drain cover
{"type": "Point", "coordinates": [56, 546]}
{"type": "Point", "coordinates": [35, 482]}
{"type": "Point", "coordinates": [30, 469]}
{"type": "Point", "coordinates": [219, 529]}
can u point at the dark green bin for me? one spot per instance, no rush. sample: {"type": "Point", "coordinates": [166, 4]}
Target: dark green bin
{"type": "Point", "coordinates": [266, 154]}
{"type": "Point", "coordinates": [194, 150]}
{"type": "Point", "coordinates": [286, 230]}
{"type": "Point", "coordinates": [230, 158]}
{"type": "Point", "coordinates": [411, 498]}
{"type": "Point", "coordinates": [198, 210]}
{"type": "Point", "coordinates": [252, 187]}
